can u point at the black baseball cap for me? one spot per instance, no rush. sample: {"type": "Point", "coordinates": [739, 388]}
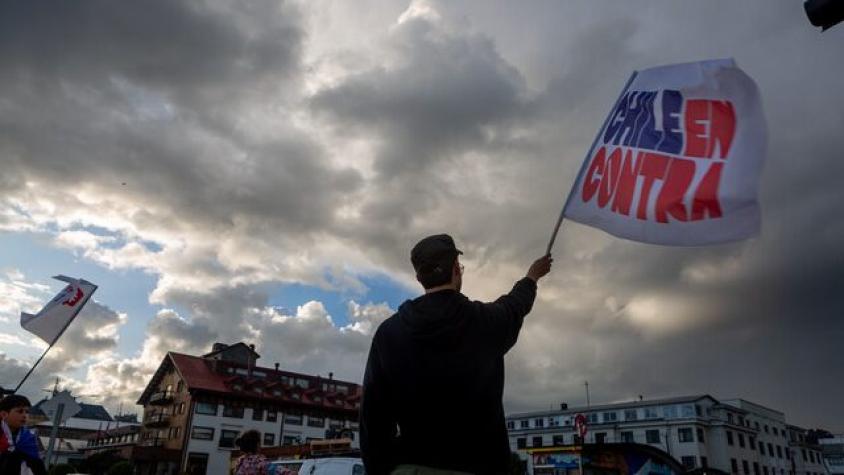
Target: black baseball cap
{"type": "Point", "coordinates": [432, 251]}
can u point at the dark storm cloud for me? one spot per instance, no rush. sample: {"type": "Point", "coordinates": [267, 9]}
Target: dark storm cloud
{"type": "Point", "coordinates": [158, 96]}
{"type": "Point", "coordinates": [749, 319]}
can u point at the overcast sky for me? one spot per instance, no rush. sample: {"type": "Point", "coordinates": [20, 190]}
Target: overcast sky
{"type": "Point", "coordinates": [258, 171]}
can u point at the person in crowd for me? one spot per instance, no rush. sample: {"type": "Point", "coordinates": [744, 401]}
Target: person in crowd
{"type": "Point", "coordinates": [18, 446]}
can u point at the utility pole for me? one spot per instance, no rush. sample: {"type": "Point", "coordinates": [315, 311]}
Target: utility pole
{"type": "Point", "coordinates": [586, 383]}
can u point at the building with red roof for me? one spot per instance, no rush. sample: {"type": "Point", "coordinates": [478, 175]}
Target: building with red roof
{"type": "Point", "coordinates": [196, 406]}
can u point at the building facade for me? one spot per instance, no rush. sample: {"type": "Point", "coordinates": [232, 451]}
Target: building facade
{"type": "Point", "coordinates": [833, 453]}
{"type": "Point", "coordinates": [805, 453]}
{"type": "Point", "coordinates": [735, 436]}
{"type": "Point", "coordinates": [196, 406]}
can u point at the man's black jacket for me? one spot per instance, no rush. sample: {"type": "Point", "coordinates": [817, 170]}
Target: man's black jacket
{"type": "Point", "coordinates": [434, 380]}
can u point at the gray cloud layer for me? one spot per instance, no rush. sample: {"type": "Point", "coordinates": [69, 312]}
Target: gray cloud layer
{"type": "Point", "coordinates": [245, 135]}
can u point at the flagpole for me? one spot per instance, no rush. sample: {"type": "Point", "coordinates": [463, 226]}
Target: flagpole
{"type": "Point", "coordinates": [585, 160]}
{"type": "Point", "coordinates": [54, 341]}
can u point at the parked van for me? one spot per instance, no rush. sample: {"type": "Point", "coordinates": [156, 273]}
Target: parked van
{"type": "Point", "coordinates": [324, 466]}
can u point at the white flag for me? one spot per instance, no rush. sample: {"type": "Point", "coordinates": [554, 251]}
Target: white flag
{"type": "Point", "coordinates": [54, 318]}
{"type": "Point", "coordinates": [678, 160]}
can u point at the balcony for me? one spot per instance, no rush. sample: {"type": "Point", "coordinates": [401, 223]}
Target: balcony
{"type": "Point", "coordinates": [161, 397]}
{"type": "Point", "coordinates": [157, 420]}
{"type": "Point", "coordinates": [153, 442]}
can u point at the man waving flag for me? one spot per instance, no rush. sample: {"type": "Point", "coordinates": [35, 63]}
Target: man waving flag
{"type": "Point", "coordinates": [678, 159]}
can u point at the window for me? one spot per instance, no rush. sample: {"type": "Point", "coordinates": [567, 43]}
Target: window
{"type": "Point", "coordinates": [733, 466]}
{"type": "Point", "coordinates": [302, 383]}
{"type": "Point", "coordinates": [290, 440]}
{"type": "Point", "coordinates": [206, 408]}
{"type": "Point", "coordinates": [600, 437]}
{"type": "Point", "coordinates": [756, 468]}
{"type": "Point", "coordinates": [774, 430]}
{"type": "Point", "coordinates": [688, 461]}
{"type": "Point", "coordinates": [669, 412]}
{"type": "Point", "coordinates": [804, 454]}
{"type": "Point", "coordinates": [537, 441]}
{"type": "Point", "coordinates": [704, 462]}
{"type": "Point", "coordinates": [746, 467]}
{"type": "Point", "coordinates": [257, 414]}
{"type": "Point", "coordinates": [592, 418]}
{"type": "Point", "coordinates": [539, 422]}
{"type": "Point", "coordinates": [729, 438]}
{"type": "Point", "coordinates": [524, 424]}
{"type": "Point", "coordinates": [652, 436]}
{"type": "Point", "coordinates": [559, 440]}
{"type": "Point", "coordinates": [521, 442]}
{"type": "Point", "coordinates": [293, 419]}
{"type": "Point", "coordinates": [627, 436]}
{"type": "Point", "coordinates": [700, 437]}
{"type": "Point", "coordinates": [688, 410]}
{"type": "Point", "coordinates": [787, 454]}
{"type": "Point", "coordinates": [684, 434]}
{"type": "Point", "coordinates": [610, 417]}
{"type": "Point", "coordinates": [741, 420]}
{"type": "Point", "coordinates": [751, 442]}
{"type": "Point", "coordinates": [761, 448]}
{"type": "Point", "coordinates": [197, 463]}
{"type": "Point", "coordinates": [180, 386]}
{"type": "Point", "coordinates": [779, 452]}
{"type": "Point", "coordinates": [741, 440]}
{"type": "Point", "coordinates": [650, 413]}
{"type": "Point", "coordinates": [269, 439]}
{"type": "Point", "coordinates": [770, 450]}
{"type": "Point", "coordinates": [553, 422]}
{"type": "Point", "coordinates": [181, 408]}
{"type": "Point", "coordinates": [766, 428]}
{"type": "Point", "coordinates": [315, 421]}
{"type": "Point", "coordinates": [630, 415]}
{"type": "Point", "coordinates": [698, 410]}
{"type": "Point", "coordinates": [227, 438]}
{"type": "Point", "coordinates": [730, 417]}
{"type": "Point", "coordinates": [233, 411]}
{"type": "Point", "coordinates": [511, 425]}
{"type": "Point", "coordinates": [764, 470]}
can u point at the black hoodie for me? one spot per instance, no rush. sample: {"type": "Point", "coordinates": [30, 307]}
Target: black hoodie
{"type": "Point", "coordinates": [434, 380]}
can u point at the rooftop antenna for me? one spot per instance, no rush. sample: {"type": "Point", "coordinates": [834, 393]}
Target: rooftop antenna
{"type": "Point", "coordinates": [586, 383]}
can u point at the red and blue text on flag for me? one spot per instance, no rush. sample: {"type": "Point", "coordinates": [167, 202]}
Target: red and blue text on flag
{"type": "Point", "coordinates": [678, 160]}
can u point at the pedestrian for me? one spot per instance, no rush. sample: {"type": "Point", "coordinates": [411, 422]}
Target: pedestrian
{"type": "Point", "coordinates": [251, 462]}
{"type": "Point", "coordinates": [18, 446]}
{"type": "Point", "coordinates": [432, 390]}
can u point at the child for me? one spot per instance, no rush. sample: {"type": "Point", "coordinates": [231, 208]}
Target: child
{"type": "Point", "coordinates": [251, 462]}
{"type": "Point", "coordinates": [18, 446]}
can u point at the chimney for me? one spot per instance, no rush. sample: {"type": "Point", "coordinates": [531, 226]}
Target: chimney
{"type": "Point", "coordinates": [250, 362]}
{"type": "Point", "coordinates": [330, 376]}
{"type": "Point", "coordinates": [276, 366]}
{"type": "Point", "coordinates": [564, 406]}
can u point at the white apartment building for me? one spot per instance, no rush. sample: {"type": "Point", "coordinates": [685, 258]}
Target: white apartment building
{"type": "Point", "coordinates": [735, 436]}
